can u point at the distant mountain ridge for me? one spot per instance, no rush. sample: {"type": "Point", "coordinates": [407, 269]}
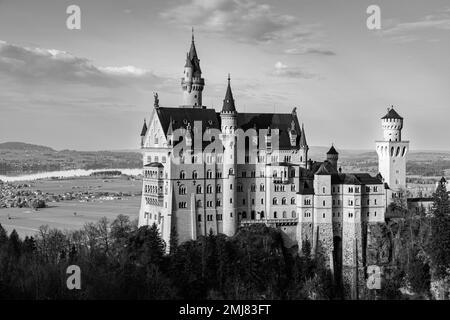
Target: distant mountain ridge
{"type": "Point", "coordinates": [13, 145]}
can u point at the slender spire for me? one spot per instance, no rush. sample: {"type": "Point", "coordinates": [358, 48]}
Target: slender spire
{"type": "Point", "coordinates": [192, 34]}
{"type": "Point", "coordinates": [303, 142]}
{"type": "Point", "coordinates": [228, 102]}
{"type": "Point", "coordinates": [144, 129]}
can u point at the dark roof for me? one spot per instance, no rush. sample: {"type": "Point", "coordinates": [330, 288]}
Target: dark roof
{"type": "Point", "coordinates": [392, 114]}
{"type": "Point", "coordinates": [306, 187]}
{"type": "Point", "coordinates": [443, 180]}
{"type": "Point", "coordinates": [228, 102]}
{"type": "Point", "coordinates": [154, 164]}
{"type": "Point", "coordinates": [180, 117]}
{"type": "Point", "coordinates": [263, 121]}
{"type": "Point", "coordinates": [323, 170]}
{"type": "Point", "coordinates": [194, 60]}
{"type": "Point", "coordinates": [144, 129]}
{"type": "Point", "coordinates": [332, 150]}
{"type": "Point", "coordinates": [303, 142]}
{"type": "Point", "coordinates": [354, 178]}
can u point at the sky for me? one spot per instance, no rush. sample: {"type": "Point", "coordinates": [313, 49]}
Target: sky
{"type": "Point", "coordinates": [90, 89]}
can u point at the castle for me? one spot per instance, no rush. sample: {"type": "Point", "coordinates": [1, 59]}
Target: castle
{"type": "Point", "coordinates": [206, 171]}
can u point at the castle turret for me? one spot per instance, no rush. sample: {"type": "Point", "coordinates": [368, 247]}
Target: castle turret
{"type": "Point", "coordinates": [192, 82]}
{"type": "Point", "coordinates": [143, 133]}
{"type": "Point", "coordinates": [392, 153]}
{"type": "Point", "coordinates": [333, 157]}
{"type": "Point", "coordinates": [228, 117]}
{"type": "Point", "coordinates": [303, 149]}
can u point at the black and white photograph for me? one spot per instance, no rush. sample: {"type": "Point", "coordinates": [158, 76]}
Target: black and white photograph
{"type": "Point", "coordinates": [240, 152]}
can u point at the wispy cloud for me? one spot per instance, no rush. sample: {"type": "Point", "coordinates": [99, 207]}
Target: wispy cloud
{"type": "Point", "coordinates": [29, 65]}
{"type": "Point", "coordinates": [314, 51]}
{"type": "Point", "coordinates": [241, 20]}
{"type": "Point", "coordinates": [408, 31]}
{"type": "Point", "coordinates": [283, 70]}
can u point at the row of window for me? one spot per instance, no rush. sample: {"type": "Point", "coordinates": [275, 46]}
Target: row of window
{"type": "Point", "coordinates": [283, 201]}
{"type": "Point", "coordinates": [156, 158]}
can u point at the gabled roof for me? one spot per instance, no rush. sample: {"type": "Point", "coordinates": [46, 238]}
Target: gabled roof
{"type": "Point", "coordinates": [322, 170]}
{"type": "Point", "coordinates": [392, 114]}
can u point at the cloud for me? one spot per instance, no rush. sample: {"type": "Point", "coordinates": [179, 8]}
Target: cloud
{"type": "Point", "coordinates": [43, 66]}
{"type": "Point", "coordinates": [316, 51]}
{"type": "Point", "coordinates": [283, 70]}
{"type": "Point", "coordinates": [241, 20]}
{"type": "Point", "coordinates": [402, 31]}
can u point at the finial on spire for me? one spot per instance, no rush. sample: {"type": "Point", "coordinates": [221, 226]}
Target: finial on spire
{"type": "Point", "coordinates": [192, 34]}
{"type": "Point", "coordinates": [229, 78]}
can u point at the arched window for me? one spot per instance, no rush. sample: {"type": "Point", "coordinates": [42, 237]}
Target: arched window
{"type": "Point", "coordinates": [261, 187]}
{"type": "Point", "coordinates": [218, 188]}
{"type": "Point", "coordinates": [274, 214]}
{"type": "Point", "coordinates": [199, 189]}
{"type": "Point", "coordinates": [253, 187]}
{"type": "Point", "coordinates": [209, 174]}
{"type": "Point", "coordinates": [283, 201]}
{"type": "Point", "coordinates": [194, 175]}
{"type": "Point", "coordinates": [275, 201]}
{"type": "Point", "coordinates": [209, 189]}
{"type": "Point", "coordinates": [261, 214]}
{"type": "Point", "coordinates": [284, 214]}
{"type": "Point", "coordinates": [182, 175]}
{"type": "Point", "coordinates": [294, 214]}
{"type": "Point", "coordinates": [292, 200]}
{"type": "Point", "coordinates": [182, 189]}
{"type": "Point", "coordinates": [231, 171]}
{"type": "Point", "coordinates": [199, 204]}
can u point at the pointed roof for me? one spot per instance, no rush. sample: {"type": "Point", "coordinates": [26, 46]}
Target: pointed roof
{"type": "Point", "coordinates": [443, 181]}
{"type": "Point", "coordinates": [332, 150]}
{"type": "Point", "coordinates": [228, 102]}
{"type": "Point", "coordinates": [303, 142]}
{"type": "Point", "coordinates": [392, 114]}
{"type": "Point", "coordinates": [144, 129]}
{"type": "Point", "coordinates": [188, 61]}
{"type": "Point", "coordinates": [193, 57]}
{"type": "Point", "coordinates": [322, 170]}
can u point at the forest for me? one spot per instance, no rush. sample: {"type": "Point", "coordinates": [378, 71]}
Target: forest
{"type": "Point", "coordinates": [120, 261]}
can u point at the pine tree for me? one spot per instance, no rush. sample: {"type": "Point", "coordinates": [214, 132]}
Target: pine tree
{"type": "Point", "coordinates": [439, 246]}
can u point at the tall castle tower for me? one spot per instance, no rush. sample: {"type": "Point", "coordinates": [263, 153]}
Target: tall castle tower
{"type": "Point", "coordinates": [228, 117]}
{"type": "Point", "coordinates": [392, 153]}
{"type": "Point", "coordinates": [192, 82]}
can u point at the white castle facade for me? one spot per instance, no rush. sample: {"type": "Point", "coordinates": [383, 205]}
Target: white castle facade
{"type": "Point", "coordinates": [259, 172]}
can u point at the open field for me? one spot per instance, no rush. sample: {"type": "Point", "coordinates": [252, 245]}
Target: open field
{"type": "Point", "coordinates": [60, 215]}
{"type": "Point", "coordinates": [89, 184]}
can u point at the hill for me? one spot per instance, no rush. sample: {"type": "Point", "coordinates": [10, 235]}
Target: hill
{"type": "Point", "coordinates": [24, 147]}
{"type": "Point", "coordinates": [17, 158]}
